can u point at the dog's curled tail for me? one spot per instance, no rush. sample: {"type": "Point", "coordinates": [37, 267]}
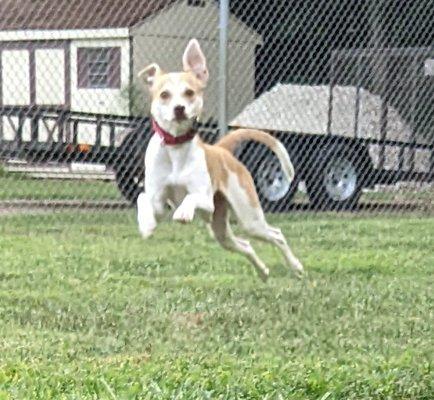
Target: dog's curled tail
{"type": "Point", "coordinates": [234, 138]}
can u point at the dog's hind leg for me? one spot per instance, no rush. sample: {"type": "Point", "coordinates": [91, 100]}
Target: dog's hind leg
{"type": "Point", "coordinates": [224, 235]}
{"type": "Point", "coordinates": [254, 223]}
{"type": "Point", "coordinates": [258, 228]}
{"type": "Point", "coordinates": [252, 219]}
{"type": "Point", "coordinates": [275, 236]}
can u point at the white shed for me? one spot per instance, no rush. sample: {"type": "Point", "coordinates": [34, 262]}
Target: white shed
{"type": "Point", "coordinates": [85, 58]}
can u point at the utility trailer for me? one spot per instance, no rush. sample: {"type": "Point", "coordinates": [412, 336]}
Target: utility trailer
{"type": "Point", "coordinates": [372, 124]}
{"type": "Point", "coordinates": [55, 136]}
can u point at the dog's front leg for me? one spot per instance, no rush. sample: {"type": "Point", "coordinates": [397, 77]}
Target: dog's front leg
{"type": "Point", "coordinates": [148, 209]}
{"type": "Point", "coordinates": [145, 215]}
{"type": "Point", "coordinates": [185, 212]}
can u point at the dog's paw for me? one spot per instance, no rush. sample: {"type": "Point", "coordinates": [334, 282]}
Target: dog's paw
{"type": "Point", "coordinates": [264, 274]}
{"type": "Point", "coordinates": [146, 232]}
{"type": "Point", "coordinates": [298, 270]}
{"type": "Point", "coordinates": [146, 228]}
{"type": "Point", "coordinates": [183, 214]}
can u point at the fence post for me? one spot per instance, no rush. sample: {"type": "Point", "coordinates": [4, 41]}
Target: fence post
{"type": "Point", "coordinates": [223, 47]}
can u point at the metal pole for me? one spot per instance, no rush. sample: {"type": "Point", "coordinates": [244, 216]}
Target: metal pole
{"type": "Point", "coordinates": [223, 48]}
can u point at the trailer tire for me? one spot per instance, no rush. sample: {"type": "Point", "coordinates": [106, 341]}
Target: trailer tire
{"type": "Point", "coordinates": [129, 164]}
{"type": "Point", "coordinates": [274, 191]}
{"type": "Point", "coordinates": [338, 178]}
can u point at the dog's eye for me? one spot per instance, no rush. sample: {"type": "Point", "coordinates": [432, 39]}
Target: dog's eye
{"type": "Point", "coordinates": [189, 93]}
{"type": "Point", "coordinates": [165, 95]}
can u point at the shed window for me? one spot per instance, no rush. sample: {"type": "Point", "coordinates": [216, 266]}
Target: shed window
{"type": "Point", "coordinates": [99, 67]}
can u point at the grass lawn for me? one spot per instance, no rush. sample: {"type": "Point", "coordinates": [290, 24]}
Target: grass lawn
{"type": "Point", "coordinates": [423, 197]}
{"type": "Point", "coordinates": [90, 311]}
{"type": "Point", "coordinates": [20, 187]}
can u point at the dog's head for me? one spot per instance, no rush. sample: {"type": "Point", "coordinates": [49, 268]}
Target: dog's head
{"type": "Point", "coordinates": [177, 97]}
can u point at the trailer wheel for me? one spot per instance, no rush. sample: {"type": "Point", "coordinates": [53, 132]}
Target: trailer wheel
{"type": "Point", "coordinates": [129, 165]}
{"type": "Point", "coordinates": [337, 181]}
{"type": "Point", "coordinates": [274, 190]}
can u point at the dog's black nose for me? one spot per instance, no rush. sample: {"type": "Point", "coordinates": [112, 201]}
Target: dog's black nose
{"type": "Point", "coordinates": [179, 112]}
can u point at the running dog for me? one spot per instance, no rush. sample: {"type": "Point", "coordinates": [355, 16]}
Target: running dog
{"type": "Point", "coordinates": [195, 177]}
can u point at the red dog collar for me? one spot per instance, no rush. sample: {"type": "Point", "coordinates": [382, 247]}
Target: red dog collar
{"type": "Point", "coordinates": [169, 139]}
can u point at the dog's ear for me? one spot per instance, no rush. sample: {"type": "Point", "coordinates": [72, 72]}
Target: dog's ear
{"type": "Point", "coordinates": [149, 73]}
{"type": "Point", "coordinates": [193, 60]}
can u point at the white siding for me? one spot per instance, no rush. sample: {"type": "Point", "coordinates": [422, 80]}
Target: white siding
{"type": "Point", "coordinates": [15, 74]}
{"type": "Point", "coordinates": [104, 101]}
{"type": "Point", "coordinates": [50, 76]}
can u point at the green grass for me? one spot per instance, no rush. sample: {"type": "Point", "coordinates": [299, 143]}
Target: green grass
{"type": "Point", "coordinates": [15, 186]}
{"type": "Point", "coordinates": [20, 187]}
{"type": "Point", "coordinates": [423, 197]}
{"type": "Point", "coordinates": [90, 311]}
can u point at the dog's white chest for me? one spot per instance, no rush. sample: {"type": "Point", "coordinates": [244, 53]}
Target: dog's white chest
{"type": "Point", "coordinates": [177, 166]}
{"type": "Point", "coordinates": [180, 170]}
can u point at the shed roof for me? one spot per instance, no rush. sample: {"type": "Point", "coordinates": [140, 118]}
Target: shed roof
{"type": "Point", "coordinates": [76, 14]}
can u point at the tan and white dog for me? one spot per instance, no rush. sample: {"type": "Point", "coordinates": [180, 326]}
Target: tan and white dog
{"type": "Point", "coordinates": [193, 176]}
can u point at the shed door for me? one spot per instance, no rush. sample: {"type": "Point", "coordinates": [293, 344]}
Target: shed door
{"type": "Point", "coordinates": [33, 77]}
{"type": "Point", "coordinates": [50, 77]}
{"type": "Point", "coordinates": [15, 77]}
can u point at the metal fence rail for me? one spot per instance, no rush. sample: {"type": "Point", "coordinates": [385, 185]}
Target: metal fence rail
{"type": "Point", "coordinates": [347, 86]}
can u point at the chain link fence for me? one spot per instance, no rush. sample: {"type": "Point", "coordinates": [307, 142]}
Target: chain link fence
{"type": "Point", "coordinates": [347, 86]}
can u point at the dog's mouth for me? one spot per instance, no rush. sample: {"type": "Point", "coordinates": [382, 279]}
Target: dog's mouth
{"type": "Point", "coordinates": [183, 120]}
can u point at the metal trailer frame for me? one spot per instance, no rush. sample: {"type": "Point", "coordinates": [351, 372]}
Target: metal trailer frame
{"type": "Point", "coordinates": [383, 175]}
{"type": "Point", "coordinates": [67, 147]}
{"type": "Point", "coordinates": [311, 151]}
